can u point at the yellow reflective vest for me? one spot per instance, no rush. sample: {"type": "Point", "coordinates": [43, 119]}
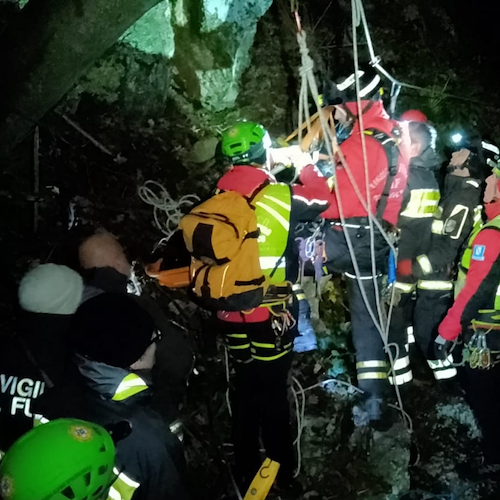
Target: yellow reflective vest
{"type": "Point", "coordinates": [467, 256]}
{"type": "Point", "coordinates": [272, 208]}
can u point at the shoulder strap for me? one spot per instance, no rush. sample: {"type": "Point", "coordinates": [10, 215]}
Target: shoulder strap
{"type": "Point", "coordinates": [257, 191]}
{"type": "Point", "coordinates": [390, 144]}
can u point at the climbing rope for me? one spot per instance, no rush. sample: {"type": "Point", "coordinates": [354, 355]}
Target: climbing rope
{"type": "Point", "coordinates": [308, 84]}
{"type": "Point", "coordinates": [167, 212]}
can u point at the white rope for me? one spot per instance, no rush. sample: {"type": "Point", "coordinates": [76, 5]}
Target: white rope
{"type": "Point", "coordinates": [167, 212]}
{"type": "Point", "coordinates": [300, 411]}
{"type": "Point", "coordinates": [331, 144]}
{"type": "Point", "coordinates": [226, 367]}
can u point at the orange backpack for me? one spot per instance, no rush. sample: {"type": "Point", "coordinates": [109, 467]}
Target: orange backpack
{"type": "Point", "coordinates": [221, 235]}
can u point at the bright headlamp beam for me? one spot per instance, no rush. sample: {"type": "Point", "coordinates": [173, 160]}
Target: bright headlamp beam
{"type": "Point", "coordinates": [456, 138]}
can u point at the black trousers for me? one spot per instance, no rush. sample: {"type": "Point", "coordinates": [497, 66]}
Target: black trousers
{"type": "Point", "coordinates": [371, 360]}
{"type": "Point", "coordinates": [260, 408]}
{"type": "Point", "coordinates": [425, 311]}
{"type": "Point", "coordinates": [481, 392]}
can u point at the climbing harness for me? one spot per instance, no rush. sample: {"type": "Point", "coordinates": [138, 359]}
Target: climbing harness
{"type": "Point", "coordinates": [312, 249]}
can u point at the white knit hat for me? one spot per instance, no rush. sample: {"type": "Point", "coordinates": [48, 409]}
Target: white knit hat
{"type": "Point", "coordinates": [51, 289]}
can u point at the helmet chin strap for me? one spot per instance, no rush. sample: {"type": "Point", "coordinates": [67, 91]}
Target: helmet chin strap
{"type": "Point", "coordinates": [464, 165]}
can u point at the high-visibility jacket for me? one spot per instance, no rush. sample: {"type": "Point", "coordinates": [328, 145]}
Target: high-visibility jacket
{"type": "Point", "coordinates": [420, 203]}
{"type": "Point", "coordinates": [478, 282]}
{"type": "Point", "coordinates": [273, 208]}
{"type": "Point", "coordinates": [459, 211]}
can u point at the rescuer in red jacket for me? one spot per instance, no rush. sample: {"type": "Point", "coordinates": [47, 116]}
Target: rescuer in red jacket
{"type": "Point", "coordinates": [387, 154]}
{"type": "Point", "coordinates": [476, 314]}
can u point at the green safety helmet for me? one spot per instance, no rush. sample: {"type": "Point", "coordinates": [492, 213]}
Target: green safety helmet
{"type": "Point", "coordinates": [60, 460]}
{"type": "Point", "coordinates": [245, 143]}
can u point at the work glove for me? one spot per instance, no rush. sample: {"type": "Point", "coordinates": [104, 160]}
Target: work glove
{"type": "Point", "coordinates": [442, 348]}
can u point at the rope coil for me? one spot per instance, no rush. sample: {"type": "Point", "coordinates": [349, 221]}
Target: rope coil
{"type": "Point", "coordinates": [167, 212]}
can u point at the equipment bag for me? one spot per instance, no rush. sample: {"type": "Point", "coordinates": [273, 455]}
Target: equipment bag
{"type": "Point", "coordinates": [221, 235]}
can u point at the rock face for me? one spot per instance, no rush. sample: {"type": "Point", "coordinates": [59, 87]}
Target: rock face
{"type": "Point", "coordinates": [205, 43]}
{"type": "Point", "coordinates": [212, 46]}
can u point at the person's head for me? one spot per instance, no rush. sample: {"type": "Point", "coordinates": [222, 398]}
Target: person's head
{"type": "Point", "coordinates": [103, 250]}
{"type": "Point", "coordinates": [51, 289]}
{"type": "Point", "coordinates": [413, 115]}
{"type": "Point", "coordinates": [492, 189]}
{"type": "Point", "coordinates": [422, 137]}
{"type": "Point", "coordinates": [344, 91]}
{"type": "Point", "coordinates": [246, 143]}
{"type": "Point", "coordinates": [62, 459]}
{"type": "Point", "coordinates": [113, 329]}
{"type": "Point", "coordinates": [459, 162]}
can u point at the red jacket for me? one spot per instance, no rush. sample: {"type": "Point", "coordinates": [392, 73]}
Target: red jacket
{"type": "Point", "coordinates": [377, 118]}
{"type": "Point", "coordinates": [481, 283]}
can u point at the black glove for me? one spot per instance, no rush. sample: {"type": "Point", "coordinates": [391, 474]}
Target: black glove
{"type": "Point", "coordinates": [442, 348]}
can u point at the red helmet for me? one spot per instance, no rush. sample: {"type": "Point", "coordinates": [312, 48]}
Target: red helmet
{"type": "Point", "coordinates": [413, 115]}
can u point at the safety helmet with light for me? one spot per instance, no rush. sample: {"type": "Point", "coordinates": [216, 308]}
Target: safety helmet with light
{"type": "Point", "coordinates": [60, 460]}
{"type": "Point", "coordinates": [484, 155]}
{"type": "Point", "coordinates": [344, 89]}
{"type": "Point", "coordinates": [246, 143]}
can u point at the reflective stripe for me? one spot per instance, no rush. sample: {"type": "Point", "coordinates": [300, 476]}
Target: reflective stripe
{"type": "Point", "coordinates": [310, 202]}
{"type": "Point", "coordinates": [445, 374]}
{"type": "Point", "coordinates": [237, 335]}
{"type": "Point", "coordinates": [243, 346]}
{"type": "Point", "coordinates": [372, 364]}
{"type": "Point", "coordinates": [301, 296]}
{"type": "Point", "coordinates": [456, 211]}
{"type": "Point", "coordinates": [275, 214]}
{"type": "Point", "coordinates": [296, 286]}
{"type": "Point", "coordinates": [405, 287]}
{"type": "Point", "coordinates": [282, 204]}
{"type": "Point", "coordinates": [132, 384]}
{"type": "Point", "coordinates": [39, 420]}
{"type": "Point", "coordinates": [425, 264]}
{"type": "Point", "coordinates": [361, 278]}
{"type": "Point", "coordinates": [263, 345]}
{"type": "Point", "coordinates": [114, 494]}
{"type": "Point", "coordinates": [372, 376]}
{"type": "Point", "coordinates": [437, 364]}
{"type": "Point", "coordinates": [401, 363]}
{"type": "Point", "coordinates": [411, 337]}
{"type": "Point", "coordinates": [473, 183]}
{"type": "Point", "coordinates": [123, 488]}
{"type": "Point", "coordinates": [270, 263]}
{"type": "Point", "coordinates": [423, 203]}
{"type": "Point", "coordinates": [497, 299]}
{"type": "Point", "coordinates": [435, 285]}
{"type": "Point", "coordinates": [270, 358]}
{"type": "Point", "coordinates": [437, 227]}
{"type": "Point", "coordinates": [401, 379]}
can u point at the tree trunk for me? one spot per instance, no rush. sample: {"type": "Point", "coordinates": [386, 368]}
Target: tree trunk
{"type": "Point", "coordinates": [47, 50]}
